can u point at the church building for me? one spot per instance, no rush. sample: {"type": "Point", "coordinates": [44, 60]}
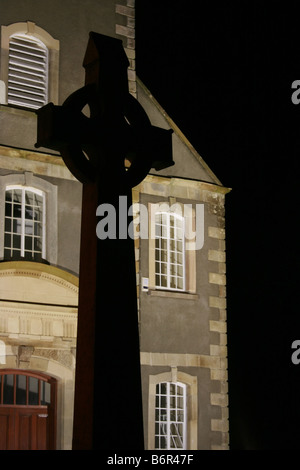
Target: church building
{"type": "Point", "coordinates": [180, 269]}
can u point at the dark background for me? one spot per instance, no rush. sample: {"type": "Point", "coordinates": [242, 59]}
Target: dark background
{"type": "Point", "coordinates": [224, 73]}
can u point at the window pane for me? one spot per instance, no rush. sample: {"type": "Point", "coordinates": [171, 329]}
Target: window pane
{"type": "Point", "coordinates": [158, 230]}
{"type": "Point", "coordinates": [33, 391]}
{"type": "Point", "coordinates": [37, 214]}
{"type": "Point", "coordinates": [180, 283]}
{"type": "Point", "coordinates": [8, 209]}
{"type": "Point", "coordinates": [37, 245]}
{"type": "Point", "coordinates": [17, 226]}
{"type": "Point", "coordinates": [8, 390]}
{"type": "Point", "coordinates": [163, 443]}
{"type": "Point", "coordinates": [28, 227]}
{"type": "Point", "coordinates": [17, 195]}
{"type": "Point", "coordinates": [158, 218]}
{"type": "Point", "coordinates": [179, 234]}
{"type": "Point", "coordinates": [164, 268]}
{"type": "Point", "coordinates": [7, 240]}
{"type": "Point", "coordinates": [164, 231]}
{"type": "Point", "coordinates": [7, 224]}
{"type": "Point", "coordinates": [29, 213]}
{"type": "Point", "coordinates": [17, 210]}
{"type": "Point", "coordinates": [38, 200]}
{"type": "Point", "coordinates": [163, 404]}
{"type": "Point", "coordinates": [8, 195]}
{"type": "Point", "coordinates": [29, 197]}
{"type": "Point", "coordinates": [7, 253]}
{"type": "Point", "coordinates": [28, 244]}
{"type": "Point", "coordinates": [17, 242]}
{"type": "Point", "coordinates": [172, 402]}
{"type": "Point", "coordinates": [38, 229]}
{"type": "Point", "coordinates": [164, 244]}
{"type": "Point", "coordinates": [179, 246]}
{"type": "Point", "coordinates": [173, 257]}
{"type": "Point", "coordinates": [45, 393]}
{"type": "Point", "coordinates": [21, 390]}
{"type": "Point", "coordinates": [173, 283]}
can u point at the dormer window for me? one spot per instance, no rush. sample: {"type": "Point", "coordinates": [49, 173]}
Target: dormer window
{"type": "Point", "coordinates": [29, 69]}
{"type": "Point", "coordinates": [27, 72]}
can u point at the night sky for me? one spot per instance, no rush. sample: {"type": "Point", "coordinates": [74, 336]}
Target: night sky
{"type": "Point", "coordinates": [224, 73]}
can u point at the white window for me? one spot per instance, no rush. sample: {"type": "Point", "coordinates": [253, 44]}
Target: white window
{"type": "Point", "coordinates": [169, 251]}
{"type": "Point", "coordinates": [27, 72]}
{"type": "Point", "coordinates": [170, 416]}
{"type": "Point", "coordinates": [24, 227]}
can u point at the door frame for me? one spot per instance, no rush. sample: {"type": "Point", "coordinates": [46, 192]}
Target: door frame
{"type": "Point", "coordinates": [51, 409]}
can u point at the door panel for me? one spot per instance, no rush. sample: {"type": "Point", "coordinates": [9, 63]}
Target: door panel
{"type": "Point", "coordinates": [23, 432]}
{"type": "Point", "coordinates": [31, 429]}
{"type": "Point", "coordinates": [42, 432]}
{"type": "Point", "coordinates": [6, 429]}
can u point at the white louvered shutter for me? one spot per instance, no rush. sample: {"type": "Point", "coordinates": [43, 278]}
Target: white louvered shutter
{"type": "Point", "coordinates": [27, 72]}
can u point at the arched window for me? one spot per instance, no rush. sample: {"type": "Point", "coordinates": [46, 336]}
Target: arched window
{"type": "Point", "coordinates": [28, 65]}
{"type": "Point", "coordinates": [28, 218]}
{"type": "Point", "coordinates": [25, 388]}
{"type": "Point", "coordinates": [24, 228]}
{"type": "Point", "coordinates": [170, 416]}
{"type": "Point", "coordinates": [169, 251]}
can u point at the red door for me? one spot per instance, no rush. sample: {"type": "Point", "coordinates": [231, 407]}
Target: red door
{"type": "Point", "coordinates": [27, 411]}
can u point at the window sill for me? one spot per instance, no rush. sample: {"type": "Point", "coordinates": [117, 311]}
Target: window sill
{"type": "Point", "coordinates": [172, 294]}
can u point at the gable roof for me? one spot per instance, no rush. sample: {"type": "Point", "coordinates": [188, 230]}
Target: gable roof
{"type": "Point", "coordinates": [188, 163]}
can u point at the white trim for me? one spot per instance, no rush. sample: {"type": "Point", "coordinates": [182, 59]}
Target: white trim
{"type": "Point", "coordinates": [168, 250]}
{"type": "Point", "coordinates": [190, 381]}
{"type": "Point", "coordinates": [171, 422]}
{"type": "Point", "coordinates": [24, 189]}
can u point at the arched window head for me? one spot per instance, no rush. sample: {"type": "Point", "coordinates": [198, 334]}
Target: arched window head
{"type": "Point", "coordinates": [28, 68]}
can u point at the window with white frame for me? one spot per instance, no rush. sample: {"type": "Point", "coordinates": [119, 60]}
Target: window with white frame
{"type": "Point", "coordinates": [24, 226]}
{"type": "Point", "coordinates": [27, 72]}
{"type": "Point", "coordinates": [170, 416]}
{"type": "Point", "coordinates": [169, 251]}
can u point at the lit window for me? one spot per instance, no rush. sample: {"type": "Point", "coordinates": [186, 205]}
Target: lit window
{"type": "Point", "coordinates": [24, 232]}
{"type": "Point", "coordinates": [170, 416]}
{"type": "Point", "coordinates": [27, 72]}
{"type": "Point", "coordinates": [169, 251]}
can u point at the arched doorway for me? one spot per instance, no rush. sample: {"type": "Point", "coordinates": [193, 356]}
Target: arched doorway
{"type": "Point", "coordinates": [27, 410]}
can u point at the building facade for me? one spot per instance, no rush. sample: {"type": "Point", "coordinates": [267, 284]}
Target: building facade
{"type": "Point", "coordinates": [180, 256]}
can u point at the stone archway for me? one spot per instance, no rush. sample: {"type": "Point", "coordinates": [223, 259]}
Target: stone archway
{"type": "Point", "coordinates": [38, 328]}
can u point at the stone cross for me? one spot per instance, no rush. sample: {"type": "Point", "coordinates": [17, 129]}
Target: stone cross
{"type": "Point", "coordinates": [108, 398]}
